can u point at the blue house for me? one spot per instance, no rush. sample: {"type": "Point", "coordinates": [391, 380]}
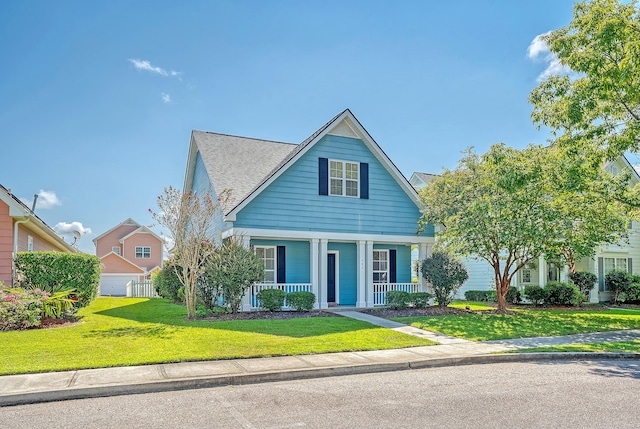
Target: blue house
{"type": "Point", "coordinates": [331, 215]}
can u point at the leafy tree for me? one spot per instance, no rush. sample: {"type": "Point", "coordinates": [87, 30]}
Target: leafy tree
{"type": "Point", "coordinates": [585, 280]}
{"type": "Point", "coordinates": [232, 270]}
{"type": "Point", "coordinates": [190, 220]}
{"type": "Point", "coordinates": [511, 206]}
{"type": "Point", "coordinates": [596, 105]}
{"type": "Point", "coordinates": [167, 282]}
{"type": "Point", "coordinates": [444, 275]}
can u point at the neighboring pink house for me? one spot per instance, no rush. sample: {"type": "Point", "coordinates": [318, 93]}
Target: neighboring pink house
{"type": "Point", "coordinates": [20, 231]}
{"type": "Point", "coordinates": [128, 251]}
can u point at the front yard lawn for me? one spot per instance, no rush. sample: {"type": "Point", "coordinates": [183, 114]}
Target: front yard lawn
{"type": "Point", "coordinates": [136, 331]}
{"type": "Point", "coordinates": [527, 323]}
{"type": "Point", "coordinates": [617, 347]}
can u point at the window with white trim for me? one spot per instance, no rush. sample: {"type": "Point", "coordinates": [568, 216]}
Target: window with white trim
{"type": "Point", "coordinates": [344, 178]}
{"type": "Point", "coordinates": [116, 250]}
{"type": "Point", "coordinates": [267, 254]}
{"type": "Point", "coordinates": [143, 252]}
{"type": "Point", "coordinates": [29, 243]}
{"type": "Point", "coordinates": [611, 264]}
{"type": "Point", "coordinates": [381, 266]}
{"type": "Point", "coordinates": [526, 275]}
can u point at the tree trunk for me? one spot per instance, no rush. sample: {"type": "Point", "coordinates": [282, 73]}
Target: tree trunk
{"type": "Point", "coordinates": [502, 290]}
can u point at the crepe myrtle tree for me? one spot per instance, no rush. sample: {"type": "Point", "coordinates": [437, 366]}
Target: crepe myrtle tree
{"type": "Point", "coordinates": [190, 220]}
{"type": "Point", "coordinates": [511, 206]}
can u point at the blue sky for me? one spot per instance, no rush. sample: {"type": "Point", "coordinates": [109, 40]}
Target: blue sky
{"type": "Point", "coordinates": [98, 98]}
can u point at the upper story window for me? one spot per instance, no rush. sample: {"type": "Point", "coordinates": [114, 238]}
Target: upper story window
{"type": "Point", "coordinates": [116, 250]}
{"type": "Point", "coordinates": [268, 256]}
{"type": "Point", "coordinates": [344, 178]}
{"type": "Point", "coordinates": [143, 252]}
{"type": "Point", "coordinates": [29, 243]}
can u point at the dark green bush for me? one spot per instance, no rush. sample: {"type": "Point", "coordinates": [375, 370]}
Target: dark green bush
{"type": "Point", "coordinates": [167, 283]}
{"type": "Point", "coordinates": [492, 296]}
{"type": "Point", "coordinates": [535, 294]}
{"type": "Point", "coordinates": [513, 296]}
{"type": "Point", "coordinates": [301, 301]}
{"type": "Point", "coordinates": [584, 280]}
{"type": "Point", "coordinates": [420, 299]}
{"type": "Point", "coordinates": [559, 293]}
{"type": "Point", "coordinates": [633, 294]}
{"type": "Point", "coordinates": [477, 295]}
{"type": "Point", "coordinates": [271, 299]}
{"type": "Point", "coordinates": [58, 271]}
{"type": "Point", "coordinates": [444, 275]}
{"type": "Point", "coordinates": [619, 283]}
{"type": "Point", "coordinates": [398, 299]}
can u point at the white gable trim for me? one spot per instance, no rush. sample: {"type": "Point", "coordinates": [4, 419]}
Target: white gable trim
{"type": "Point", "coordinates": [127, 221]}
{"type": "Point", "coordinates": [353, 123]}
{"type": "Point", "coordinates": [143, 271]}
{"type": "Point", "coordinates": [140, 230]}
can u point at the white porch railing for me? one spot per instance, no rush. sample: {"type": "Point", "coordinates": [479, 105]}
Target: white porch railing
{"type": "Point", "coordinates": [380, 290]}
{"type": "Point", "coordinates": [287, 287]}
{"type": "Point", "coordinates": [141, 290]}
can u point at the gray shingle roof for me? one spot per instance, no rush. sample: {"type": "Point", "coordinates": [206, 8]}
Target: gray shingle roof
{"type": "Point", "coordinates": [239, 163]}
{"type": "Point", "coordinates": [425, 177]}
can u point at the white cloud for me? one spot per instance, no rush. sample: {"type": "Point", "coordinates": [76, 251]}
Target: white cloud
{"type": "Point", "coordinates": [66, 229]}
{"type": "Point", "coordinates": [166, 98]}
{"type": "Point", "coordinates": [46, 200]}
{"type": "Point", "coordinates": [147, 66]}
{"type": "Point", "coordinates": [538, 50]}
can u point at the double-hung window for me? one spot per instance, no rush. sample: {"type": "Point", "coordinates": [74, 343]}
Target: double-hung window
{"type": "Point", "coordinates": [267, 254]}
{"type": "Point", "coordinates": [611, 264]}
{"type": "Point", "coordinates": [344, 178]}
{"type": "Point", "coordinates": [381, 266]}
{"type": "Point", "coordinates": [143, 252]}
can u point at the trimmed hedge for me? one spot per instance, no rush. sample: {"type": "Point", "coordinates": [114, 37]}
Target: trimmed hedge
{"type": "Point", "coordinates": [271, 299]}
{"type": "Point", "coordinates": [57, 272]}
{"type": "Point", "coordinates": [536, 294]}
{"type": "Point", "coordinates": [420, 299]}
{"type": "Point", "coordinates": [477, 295]}
{"type": "Point", "coordinates": [301, 301]}
{"type": "Point", "coordinates": [513, 295]}
{"type": "Point", "coordinates": [398, 299]}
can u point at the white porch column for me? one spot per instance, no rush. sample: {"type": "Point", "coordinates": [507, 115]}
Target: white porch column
{"type": "Point", "coordinates": [564, 274]}
{"type": "Point", "coordinates": [361, 300]}
{"type": "Point", "coordinates": [542, 272]}
{"type": "Point", "coordinates": [594, 294]}
{"type": "Point", "coordinates": [314, 271]}
{"type": "Point", "coordinates": [369, 273]}
{"type": "Point", "coordinates": [245, 305]}
{"type": "Point", "coordinates": [322, 294]}
{"type": "Point", "coordinates": [423, 249]}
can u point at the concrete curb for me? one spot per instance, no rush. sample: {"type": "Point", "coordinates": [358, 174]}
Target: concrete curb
{"type": "Point", "coordinates": [297, 374]}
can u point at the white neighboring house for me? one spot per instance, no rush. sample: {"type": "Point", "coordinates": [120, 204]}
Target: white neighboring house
{"type": "Point", "coordinates": [625, 255]}
{"type": "Point", "coordinates": [128, 252]}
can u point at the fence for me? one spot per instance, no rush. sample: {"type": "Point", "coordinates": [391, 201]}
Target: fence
{"type": "Point", "coordinates": [380, 290]}
{"type": "Point", "coordinates": [141, 290]}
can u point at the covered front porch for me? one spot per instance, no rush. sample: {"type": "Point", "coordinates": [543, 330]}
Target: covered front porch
{"type": "Point", "coordinates": [340, 270]}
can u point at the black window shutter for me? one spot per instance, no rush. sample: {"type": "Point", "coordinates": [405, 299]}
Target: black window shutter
{"type": "Point", "coordinates": [392, 267]}
{"type": "Point", "coordinates": [281, 260]}
{"type": "Point", "coordinates": [600, 274]}
{"type": "Point", "coordinates": [630, 265]}
{"type": "Point", "coordinates": [364, 180]}
{"type": "Point", "coordinates": [323, 176]}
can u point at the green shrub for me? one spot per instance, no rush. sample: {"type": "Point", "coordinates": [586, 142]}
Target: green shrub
{"type": "Point", "coordinates": [398, 299]}
{"type": "Point", "coordinates": [535, 294]}
{"type": "Point", "coordinates": [619, 283]}
{"type": "Point", "coordinates": [271, 299]}
{"type": "Point", "coordinates": [513, 296]}
{"type": "Point", "coordinates": [167, 283]}
{"type": "Point", "coordinates": [202, 311]}
{"type": "Point", "coordinates": [477, 295]}
{"type": "Point", "coordinates": [59, 304]}
{"type": "Point", "coordinates": [633, 294]}
{"type": "Point", "coordinates": [559, 293]}
{"type": "Point", "coordinates": [492, 296]}
{"type": "Point", "coordinates": [420, 299]}
{"type": "Point", "coordinates": [58, 271]}
{"type": "Point", "coordinates": [584, 280]}
{"type": "Point", "coordinates": [19, 308]}
{"type": "Point", "coordinates": [301, 301]}
{"type": "Point", "coordinates": [444, 275]}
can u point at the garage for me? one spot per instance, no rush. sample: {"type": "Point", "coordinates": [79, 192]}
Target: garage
{"type": "Point", "coordinates": [115, 284]}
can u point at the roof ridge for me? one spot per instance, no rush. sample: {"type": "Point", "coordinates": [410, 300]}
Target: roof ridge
{"type": "Point", "coordinates": [244, 137]}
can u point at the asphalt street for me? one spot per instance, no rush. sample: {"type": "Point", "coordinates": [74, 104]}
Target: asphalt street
{"type": "Point", "coordinates": [545, 394]}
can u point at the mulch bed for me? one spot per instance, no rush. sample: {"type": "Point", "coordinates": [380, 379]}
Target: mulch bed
{"type": "Point", "coordinates": [48, 322]}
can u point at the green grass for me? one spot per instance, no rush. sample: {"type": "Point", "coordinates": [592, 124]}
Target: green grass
{"type": "Point", "coordinates": [528, 323]}
{"type": "Point", "coordinates": [136, 331]}
{"type": "Point", "coordinates": [616, 347]}
{"type": "Point", "coordinates": [473, 305]}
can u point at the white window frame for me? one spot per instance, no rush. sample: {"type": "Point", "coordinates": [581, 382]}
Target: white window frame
{"type": "Point", "coordinates": [141, 250]}
{"type": "Point", "coordinates": [115, 249]}
{"type": "Point", "coordinates": [29, 243]}
{"type": "Point", "coordinates": [526, 272]}
{"type": "Point", "coordinates": [264, 260]}
{"type": "Point", "coordinates": [617, 260]}
{"type": "Point", "coordinates": [343, 180]}
{"type": "Point", "coordinates": [382, 273]}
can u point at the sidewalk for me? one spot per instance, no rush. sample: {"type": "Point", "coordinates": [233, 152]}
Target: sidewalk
{"type": "Point", "coordinates": [55, 386]}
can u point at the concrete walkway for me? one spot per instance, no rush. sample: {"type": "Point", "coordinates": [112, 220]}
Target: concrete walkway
{"type": "Point", "coordinates": [56, 386]}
